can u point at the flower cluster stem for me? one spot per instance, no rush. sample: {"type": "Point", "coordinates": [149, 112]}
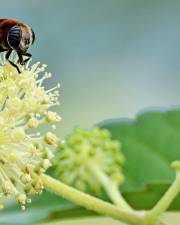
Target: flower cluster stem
{"type": "Point", "coordinates": [110, 187]}
{"type": "Point", "coordinates": [91, 203]}
{"type": "Point", "coordinates": [164, 203]}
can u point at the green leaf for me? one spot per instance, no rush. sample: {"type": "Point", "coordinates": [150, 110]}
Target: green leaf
{"type": "Point", "coordinates": [150, 143]}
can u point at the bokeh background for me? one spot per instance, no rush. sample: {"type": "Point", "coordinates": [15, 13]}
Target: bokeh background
{"type": "Point", "coordinates": [113, 58]}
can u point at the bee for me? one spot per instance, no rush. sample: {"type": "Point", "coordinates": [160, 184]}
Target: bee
{"type": "Point", "coordinates": [17, 36]}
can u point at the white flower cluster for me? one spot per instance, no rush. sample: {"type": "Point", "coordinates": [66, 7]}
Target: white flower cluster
{"type": "Point", "coordinates": [25, 153]}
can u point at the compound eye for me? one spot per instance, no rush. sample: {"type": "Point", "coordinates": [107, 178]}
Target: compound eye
{"type": "Point", "coordinates": [14, 37]}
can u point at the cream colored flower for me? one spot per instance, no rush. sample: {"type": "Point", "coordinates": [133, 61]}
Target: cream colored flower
{"type": "Point", "coordinates": [24, 152]}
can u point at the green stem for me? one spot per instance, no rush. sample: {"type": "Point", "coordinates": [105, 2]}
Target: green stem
{"type": "Point", "coordinates": [164, 203]}
{"type": "Point", "coordinates": [110, 187]}
{"type": "Point", "coordinates": [92, 203]}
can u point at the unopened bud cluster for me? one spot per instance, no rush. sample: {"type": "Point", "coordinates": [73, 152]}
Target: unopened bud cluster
{"type": "Point", "coordinates": [81, 150]}
{"type": "Point", "coordinates": [25, 153]}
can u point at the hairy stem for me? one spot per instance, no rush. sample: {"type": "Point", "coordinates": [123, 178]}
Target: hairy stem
{"type": "Point", "coordinates": [110, 187]}
{"type": "Point", "coordinates": [164, 203]}
{"type": "Point", "coordinates": [92, 203]}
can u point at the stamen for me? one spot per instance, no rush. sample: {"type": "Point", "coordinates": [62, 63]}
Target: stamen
{"type": "Point", "coordinates": [24, 152]}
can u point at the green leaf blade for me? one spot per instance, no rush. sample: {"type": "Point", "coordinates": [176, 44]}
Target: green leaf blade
{"type": "Point", "coordinates": [150, 143]}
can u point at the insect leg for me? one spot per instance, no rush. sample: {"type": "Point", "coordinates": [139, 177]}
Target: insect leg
{"type": "Point", "coordinates": [28, 55]}
{"type": "Point", "coordinates": [21, 61]}
{"type": "Point", "coordinates": [13, 64]}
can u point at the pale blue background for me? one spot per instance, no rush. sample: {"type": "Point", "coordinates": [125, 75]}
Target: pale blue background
{"type": "Point", "coordinates": [112, 57]}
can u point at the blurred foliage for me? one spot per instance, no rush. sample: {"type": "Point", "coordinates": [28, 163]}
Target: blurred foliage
{"type": "Point", "coordinates": [150, 143]}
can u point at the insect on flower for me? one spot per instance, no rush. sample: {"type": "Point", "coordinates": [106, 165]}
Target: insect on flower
{"type": "Point", "coordinates": [17, 36]}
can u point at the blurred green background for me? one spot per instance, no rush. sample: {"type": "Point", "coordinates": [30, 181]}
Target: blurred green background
{"type": "Point", "coordinates": [112, 57]}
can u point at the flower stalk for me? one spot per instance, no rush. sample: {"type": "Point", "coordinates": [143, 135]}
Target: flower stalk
{"type": "Point", "coordinates": [110, 187]}
{"type": "Point", "coordinates": [92, 203]}
{"type": "Point", "coordinates": [126, 214]}
{"type": "Point", "coordinates": [164, 203]}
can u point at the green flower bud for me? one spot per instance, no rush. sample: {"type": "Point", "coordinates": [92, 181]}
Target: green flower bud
{"type": "Point", "coordinates": [80, 150]}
